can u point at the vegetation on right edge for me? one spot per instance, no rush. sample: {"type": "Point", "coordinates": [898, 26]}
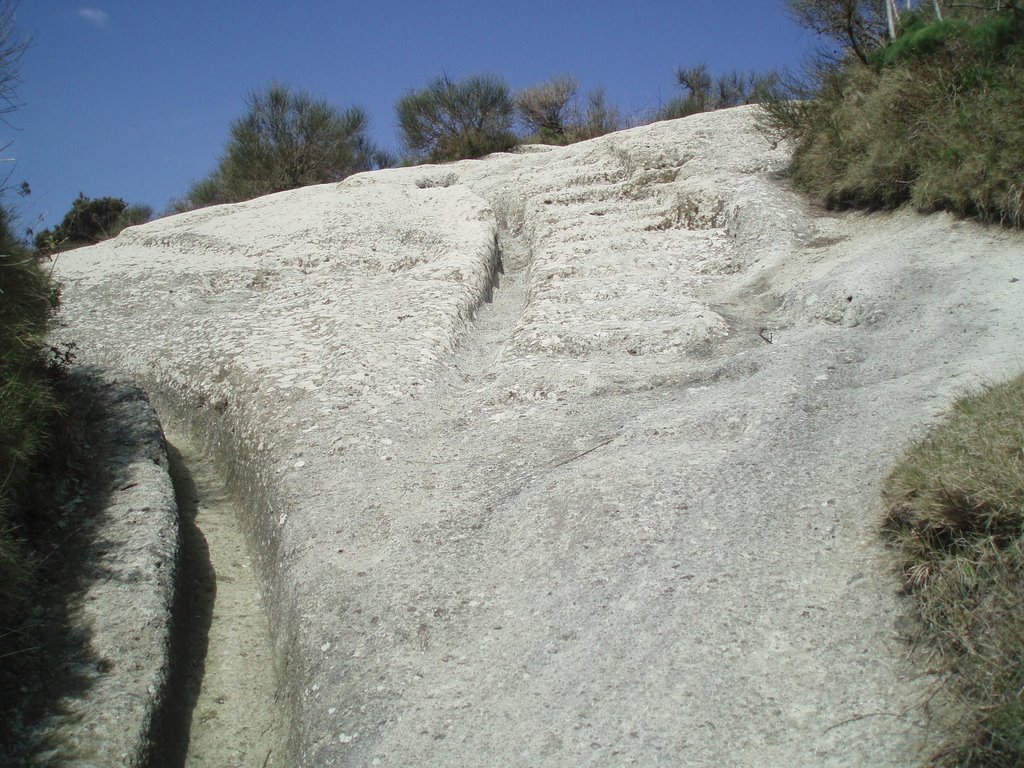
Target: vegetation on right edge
{"type": "Point", "coordinates": [924, 106]}
{"type": "Point", "coordinates": [955, 510]}
{"type": "Point", "coordinates": [928, 112]}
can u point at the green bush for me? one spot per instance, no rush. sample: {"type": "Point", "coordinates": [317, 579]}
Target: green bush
{"type": "Point", "coordinates": [29, 404]}
{"type": "Point", "coordinates": [91, 221]}
{"type": "Point", "coordinates": [553, 114]}
{"type": "Point", "coordinates": [704, 93]}
{"type": "Point", "coordinates": [203, 193]}
{"type": "Point", "coordinates": [28, 407]}
{"type": "Point", "coordinates": [286, 140]}
{"type": "Point", "coordinates": [955, 511]}
{"type": "Point", "coordinates": [919, 38]}
{"type": "Point", "coordinates": [449, 120]}
{"type": "Point", "coordinates": [933, 119]}
{"type": "Point", "coordinates": [544, 109]}
{"type": "Point", "coordinates": [598, 119]}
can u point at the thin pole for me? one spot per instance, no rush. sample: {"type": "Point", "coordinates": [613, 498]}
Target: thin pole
{"type": "Point", "coordinates": [890, 14]}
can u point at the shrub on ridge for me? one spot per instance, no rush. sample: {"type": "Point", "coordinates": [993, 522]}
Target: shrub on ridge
{"type": "Point", "coordinates": [450, 120]}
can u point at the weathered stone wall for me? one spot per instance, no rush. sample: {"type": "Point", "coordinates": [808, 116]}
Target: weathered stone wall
{"type": "Point", "coordinates": [99, 662]}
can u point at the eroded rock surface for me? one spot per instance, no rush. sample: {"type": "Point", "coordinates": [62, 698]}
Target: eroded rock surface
{"type": "Point", "coordinates": [85, 690]}
{"type": "Point", "coordinates": [625, 513]}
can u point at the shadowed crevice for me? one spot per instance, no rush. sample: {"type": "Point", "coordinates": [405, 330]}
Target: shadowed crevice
{"type": "Point", "coordinates": [193, 614]}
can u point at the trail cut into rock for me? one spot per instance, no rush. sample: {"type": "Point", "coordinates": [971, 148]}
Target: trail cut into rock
{"type": "Point", "coordinates": [568, 456]}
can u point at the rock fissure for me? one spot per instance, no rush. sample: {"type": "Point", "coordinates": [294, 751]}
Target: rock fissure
{"type": "Point", "coordinates": [220, 709]}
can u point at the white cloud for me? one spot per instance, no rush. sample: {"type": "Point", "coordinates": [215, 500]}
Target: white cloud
{"type": "Point", "coordinates": [94, 16]}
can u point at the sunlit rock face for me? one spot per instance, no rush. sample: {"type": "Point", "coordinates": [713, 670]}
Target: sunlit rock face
{"type": "Point", "coordinates": [569, 456]}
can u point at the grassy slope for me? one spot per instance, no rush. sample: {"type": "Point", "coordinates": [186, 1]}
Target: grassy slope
{"type": "Point", "coordinates": [934, 120]}
{"type": "Point", "coordinates": [28, 408]}
{"type": "Point", "coordinates": [956, 513]}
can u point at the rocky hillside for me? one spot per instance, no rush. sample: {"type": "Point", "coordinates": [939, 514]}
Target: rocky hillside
{"type": "Point", "coordinates": [569, 456]}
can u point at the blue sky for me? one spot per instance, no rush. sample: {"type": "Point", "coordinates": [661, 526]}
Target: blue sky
{"type": "Point", "coordinates": [133, 98]}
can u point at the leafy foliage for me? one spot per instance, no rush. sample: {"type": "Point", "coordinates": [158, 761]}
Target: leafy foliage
{"type": "Point", "coordinates": [449, 120]}
{"type": "Point", "coordinates": [91, 221]}
{"type": "Point", "coordinates": [203, 193]}
{"type": "Point", "coordinates": [28, 404]}
{"type": "Point", "coordinates": [286, 140]}
{"type": "Point", "coordinates": [27, 409]}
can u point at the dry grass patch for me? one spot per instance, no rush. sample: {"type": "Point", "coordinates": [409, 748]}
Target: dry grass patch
{"type": "Point", "coordinates": [933, 120]}
{"type": "Point", "coordinates": [955, 511]}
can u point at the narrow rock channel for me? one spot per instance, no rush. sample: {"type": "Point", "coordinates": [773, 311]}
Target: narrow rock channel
{"type": "Point", "coordinates": [222, 711]}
